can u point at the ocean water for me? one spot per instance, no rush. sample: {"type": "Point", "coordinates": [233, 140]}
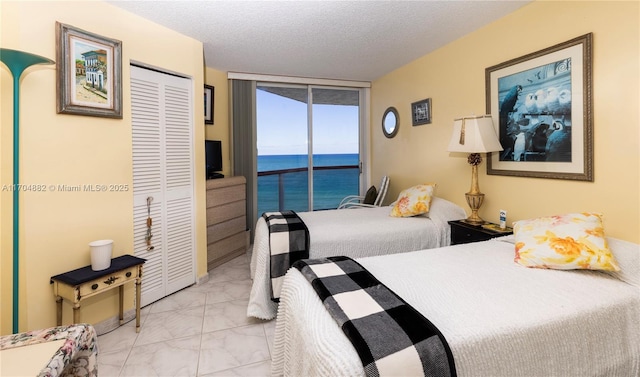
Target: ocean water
{"type": "Point", "coordinates": [329, 186]}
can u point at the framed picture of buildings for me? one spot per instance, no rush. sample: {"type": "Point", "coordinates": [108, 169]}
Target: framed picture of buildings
{"type": "Point", "coordinates": [89, 73]}
{"type": "Point", "coordinates": [541, 105]}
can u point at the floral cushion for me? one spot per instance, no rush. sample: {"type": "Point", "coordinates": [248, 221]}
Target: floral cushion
{"type": "Point", "coordinates": [414, 201]}
{"type": "Point", "coordinates": [566, 242]}
{"type": "Point", "coordinates": [77, 357]}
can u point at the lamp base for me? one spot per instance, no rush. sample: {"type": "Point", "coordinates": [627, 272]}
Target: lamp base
{"type": "Point", "coordinates": [475, 202]}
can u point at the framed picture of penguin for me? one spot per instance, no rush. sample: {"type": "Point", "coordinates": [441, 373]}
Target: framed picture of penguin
{"type": "Point", "coordinates": [542, 110]}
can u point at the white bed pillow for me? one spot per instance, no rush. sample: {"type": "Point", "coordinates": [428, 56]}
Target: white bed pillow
{"type": "Point", "coordinates": [627, 255]}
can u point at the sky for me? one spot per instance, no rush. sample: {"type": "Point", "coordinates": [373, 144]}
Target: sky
{"type": "Point", "coordinates": [282, 127]}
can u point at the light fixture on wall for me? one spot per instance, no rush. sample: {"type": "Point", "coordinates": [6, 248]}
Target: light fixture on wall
{"type": "Point", "coordinates": [474, 135]}
{"type": "Point", "coordinates": [17, 62]}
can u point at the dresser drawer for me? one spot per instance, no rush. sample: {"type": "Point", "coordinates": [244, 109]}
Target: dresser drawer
{"type": "Point", "coordinates": [226, 212]}
{"type": "Point", "coordinates": [225, 229]}
{"type": "Point", "coordinates": [109, 281]}
{"type": "Point", "coordinates": [225, 195]}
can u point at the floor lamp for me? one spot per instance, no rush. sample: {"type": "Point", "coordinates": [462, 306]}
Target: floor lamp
{"type": "Point", "coordinates": [17, 62]}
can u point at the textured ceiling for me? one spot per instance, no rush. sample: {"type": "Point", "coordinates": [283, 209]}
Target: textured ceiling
{"type": "Point", "coordinates": [349, 40]}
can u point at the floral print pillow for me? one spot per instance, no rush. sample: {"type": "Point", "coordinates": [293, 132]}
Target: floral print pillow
{"type": "Point", "coordinates": [565, 242]}
{"type": "Point", "coordinates": [414, 201]}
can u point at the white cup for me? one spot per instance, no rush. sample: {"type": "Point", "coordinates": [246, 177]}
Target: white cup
{"type": "Point", "coordinates": [101, 254]}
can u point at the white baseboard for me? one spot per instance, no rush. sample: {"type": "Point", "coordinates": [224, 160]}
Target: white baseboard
{"type": "Point", "coordinates": [203, 279]}
{"type": "Point", "coordinates": [113, 323]}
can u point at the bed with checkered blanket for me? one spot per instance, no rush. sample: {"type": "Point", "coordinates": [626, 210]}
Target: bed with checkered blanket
{"type": "Point", "coordinates": [390, 337]}
{"type": "Point", "coordinates": [354, 233]}
{"type": "Point", "coordinates": [288, 242]}
{"type": "Point", "coordinates": [499, 318]}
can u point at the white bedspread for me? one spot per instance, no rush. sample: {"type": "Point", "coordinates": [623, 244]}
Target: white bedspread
{"type": "Point", "coordinates": [354, 233]}
{"type": "Point", "coordinates": [499, 318]}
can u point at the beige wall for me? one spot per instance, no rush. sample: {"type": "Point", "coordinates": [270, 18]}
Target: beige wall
{"type": "Point", "coordinates": [453, 77]}
{"type": "Point", "coordinates": [220, 129]}
{"type": "Point", "coordinates": [69, 149]}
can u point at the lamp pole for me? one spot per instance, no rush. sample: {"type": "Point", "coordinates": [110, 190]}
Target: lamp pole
{"type": "Point", "coordinates": [474, 196]}
{"type": "Point", "coordinates": [17, 62]}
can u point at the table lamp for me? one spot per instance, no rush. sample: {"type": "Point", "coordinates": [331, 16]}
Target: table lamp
{"type": "Point", "coordinates": [474, 135]}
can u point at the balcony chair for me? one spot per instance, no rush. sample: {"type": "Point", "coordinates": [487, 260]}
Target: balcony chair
{"type": "Point", "coordinates": [372, 198]}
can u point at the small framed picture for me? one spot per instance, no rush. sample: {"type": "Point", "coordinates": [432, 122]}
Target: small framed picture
{"type": "Point", "coordinates": [208, 104]}
{"type": "Point", "coordinates": [89, 73]}
{"type": "Point", "coordinates": [421, 112]}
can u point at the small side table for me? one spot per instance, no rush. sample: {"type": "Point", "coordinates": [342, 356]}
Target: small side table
{"type": "Point", "coordinates": [74, 286]}
{"type": "Point", "coordinates": [463, 232]}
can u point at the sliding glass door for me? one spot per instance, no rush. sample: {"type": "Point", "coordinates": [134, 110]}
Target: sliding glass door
{"type": "Point", "coordinates": [336, 159]}
{"type": "Point", "coordinates": [308, 146]}
{"type": "Point", "coordinates": [282, 135]}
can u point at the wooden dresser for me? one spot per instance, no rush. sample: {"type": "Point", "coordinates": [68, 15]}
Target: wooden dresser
{"type": "Point", "coordinates": [227, 234]}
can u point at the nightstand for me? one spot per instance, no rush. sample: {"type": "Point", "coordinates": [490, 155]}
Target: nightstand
{"type": "Point", "coordinates": [462, 232]}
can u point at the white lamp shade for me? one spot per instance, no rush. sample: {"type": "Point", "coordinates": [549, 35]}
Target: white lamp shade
{"type": "Point", "coordinates": [474, 135]}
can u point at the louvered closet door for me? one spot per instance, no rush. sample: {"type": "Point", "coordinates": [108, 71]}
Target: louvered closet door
{"type": "Point", "coordinates": [163, 171]}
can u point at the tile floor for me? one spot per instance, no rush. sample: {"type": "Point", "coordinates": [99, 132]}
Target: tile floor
{"type": "Point", "coordinates": [202, 330]}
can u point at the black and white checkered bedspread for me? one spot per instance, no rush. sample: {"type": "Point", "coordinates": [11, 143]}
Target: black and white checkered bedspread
{"type": "Point", "coordinates": [288, 242]}
{"type": "Point", "coordinates": [389, 335]}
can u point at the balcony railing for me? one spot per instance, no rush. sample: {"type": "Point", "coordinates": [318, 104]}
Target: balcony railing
{"type": "Point", "coordinates": [349, 189]}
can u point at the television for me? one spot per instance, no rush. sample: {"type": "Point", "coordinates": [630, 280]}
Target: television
{"type": "Point", "coordinates": [213, 158]}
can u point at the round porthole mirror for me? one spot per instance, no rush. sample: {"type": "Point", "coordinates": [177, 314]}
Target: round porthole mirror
{"type": "Point", "coordinates": [390, 122]}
